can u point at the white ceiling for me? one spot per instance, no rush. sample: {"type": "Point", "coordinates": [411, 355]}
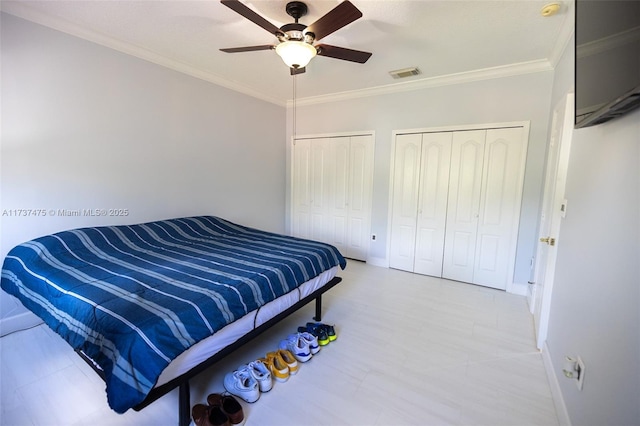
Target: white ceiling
{"type": "Point", "coordinates": [448, 40]}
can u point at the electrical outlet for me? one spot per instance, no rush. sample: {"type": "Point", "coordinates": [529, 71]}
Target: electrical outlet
{"type": "Point", "coordinates": [373, 237]}
{"type": "Point", "coordinates": [580, 367]}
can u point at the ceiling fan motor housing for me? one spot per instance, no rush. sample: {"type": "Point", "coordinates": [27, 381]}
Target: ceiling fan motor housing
{"type": "Point", "coordinates": [296, 9]}
{"type": "Point", "coordinates": [295, 32]}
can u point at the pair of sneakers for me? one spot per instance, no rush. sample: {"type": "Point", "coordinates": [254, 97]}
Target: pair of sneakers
{"type": "Point", "coordinates": [325, 333]}
{"type": "Point", "coordinates": [303, 345]}
{"type": "Point", "coordinates": [221, 410]}
{"type": "Point", "coordinates": [281, 363]}
{"type": "Point", "coordinates": [248, 381]}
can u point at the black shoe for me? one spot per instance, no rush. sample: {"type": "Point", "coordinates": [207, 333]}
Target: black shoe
{"type": "Point", "coordinates": [328, 329]}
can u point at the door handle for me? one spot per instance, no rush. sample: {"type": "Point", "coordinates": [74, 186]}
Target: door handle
{"type": "Point", "coordinates": [549, 240]}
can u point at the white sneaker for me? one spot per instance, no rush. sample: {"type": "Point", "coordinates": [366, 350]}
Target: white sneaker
{"type": "Point", "coordinates": [262, 375]}
{"type": "Point", "coordinates": [312, 341]}
{"type": "Point", "coordinates": [298, 346]}
{"type": "Point", "coordinates": [242, 384]}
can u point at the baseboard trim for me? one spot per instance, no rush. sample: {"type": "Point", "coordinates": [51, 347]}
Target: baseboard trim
{"type": "Point", "coordinates": [378, 261]}
{"type": "Point", "coordinates": [556, 392]}
{"type": "Point", "coordinates": [18, 322]}
{"type": "Point", "coordinates": [518, 288]}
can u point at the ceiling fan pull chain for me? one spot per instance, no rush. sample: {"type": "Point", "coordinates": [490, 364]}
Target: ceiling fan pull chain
{"type": "Point", "coordinates": [294, 104]}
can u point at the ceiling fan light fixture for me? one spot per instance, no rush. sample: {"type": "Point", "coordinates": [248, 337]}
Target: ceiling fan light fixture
{"type": "Point", "coordinates": [296, 54]}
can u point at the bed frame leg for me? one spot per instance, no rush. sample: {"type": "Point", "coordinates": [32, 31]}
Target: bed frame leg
{"type": "Point", "coordinates": [184, 404]}
{"type": "Point", "coordinates": [318, 316]}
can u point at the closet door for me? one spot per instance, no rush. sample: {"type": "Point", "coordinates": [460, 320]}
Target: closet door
{"type": "Point", "coordinates": [467, 156]}
{"type": "Point", "coordinates": [301, 198]}
{"type": "Point", "coordinates": [359, 196]}
{"type": "Point", "coordinates": [338, 182]}
{"type": "Point", "coordinates": [432, 203]}
{"type": "Point", "coordinates": [332, 190]}
{"type": "Point", "coordinates": [320, 160]}
{"type": "Point", "coordinates": [499, 206]}
{"type": "Point", "coordinates": [310, 191]}
{"type": "Point", "coordinates": [404, 215]}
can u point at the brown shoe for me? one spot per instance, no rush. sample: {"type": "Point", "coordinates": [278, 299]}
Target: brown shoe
{"type": "Point", "coordinates": [229, 405]}
{"type": "Point", "coordinates": [217, 417]}
{"type": "Point", "coordinates": [207, 415]}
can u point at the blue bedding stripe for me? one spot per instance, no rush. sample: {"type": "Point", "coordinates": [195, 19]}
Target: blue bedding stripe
{"type": "Point", "coordinates": [134, 297]}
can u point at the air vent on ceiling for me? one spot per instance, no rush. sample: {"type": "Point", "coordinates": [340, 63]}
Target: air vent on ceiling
{"type": "Point", "coordinates": [405, 72]}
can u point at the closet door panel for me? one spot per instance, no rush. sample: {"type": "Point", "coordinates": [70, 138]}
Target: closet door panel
{"type": "Point", "coordinates": [467, 156]}
{"type": "Point", "coordinates": [337, 177]}
{"type": "Point", "coordinates": [406, 182]}
{"type": "Point", "coordinates": [302, 189]}
{"type": "Point", "coordinates": [499, 206]}
{"type": "Point", "coordinates": [432, 203]}
{"type": "Point", "coordinates": [359, 195]}
{"type": "Point", "coordinates": [320, 189]}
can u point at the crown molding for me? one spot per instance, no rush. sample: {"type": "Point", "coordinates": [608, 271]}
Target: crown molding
{"type": "Point", "coordinates": [23, 11]}
{"type": "Point", "coordinates": [564, 38]}
{"type": "Point", "coordinates": [608, 43]}
{"type": "Point", "coordinates": [430, 82]}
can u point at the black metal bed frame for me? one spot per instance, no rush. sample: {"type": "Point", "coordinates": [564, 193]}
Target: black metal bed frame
{"type": "Point", "coordinates": [182, 382]}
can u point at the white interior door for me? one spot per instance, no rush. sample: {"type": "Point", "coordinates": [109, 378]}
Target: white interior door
{"type": "Point", "coordinates": [337, 177]}
{"type": "Point", "coordinates": [432, 203]}
{"type": "Point", "coordinates": [406, 182]}
{"type": "Point", "coordinates": [467, 156]}
{"type": "Point", "coordinates": [503, 174]}
{"type": "Point", "coordinates": [553, 208]}
{"type": "Point", "coordinates": [320, 167]}
{"type": "Point", "coordinates": [301, 199]}
{"type": "Point", "coordinates": [332, 191]}
{"type": "Point", "coordinates": [360, 190]}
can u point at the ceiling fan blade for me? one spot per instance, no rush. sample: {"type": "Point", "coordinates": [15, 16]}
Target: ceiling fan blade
{"type": "Point", "coordinates": [343, 53]}
{"type": "Point", "coordinates": [244, 10]}
{"type": "Point", "coordinates": [248, 48]}
{"type": "Point", "coordinates": [340, 16]}
{"type": "Point", "coordinates": [299, 70]}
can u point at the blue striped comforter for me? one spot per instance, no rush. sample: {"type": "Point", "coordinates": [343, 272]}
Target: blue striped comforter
{"type": "Point", "coordinates": [134, 297]}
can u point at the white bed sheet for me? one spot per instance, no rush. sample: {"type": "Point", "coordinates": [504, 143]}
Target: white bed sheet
{"type": "Point", "coordinates": [208, 347]}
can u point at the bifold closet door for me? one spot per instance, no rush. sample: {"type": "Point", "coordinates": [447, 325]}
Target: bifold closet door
{"type": "Point", "coordinates": [332, 190]}
{"type": "Point", "coordinates": [465, 184]}
{"type": "Point", "coordinates": [302, 196]}
{"type": "Point", "coordinates": [311, 189]}
{"type": "Point", "coordinates": [350, 184]}
{"type": "Point", "coordinates": [337, 180]}
{"type": "Point", "coordinates": [404, 215]}
{"type": "Point", "coordinates": [500, 200]}
{"type": "Point", "coordinates": [360, 185]}
{"type": "Point", "coordinates": [484, 204]}
{"type": "Point", "coordinates": [419, 211]}
{"type": "Point", "coordinates": [432, 203]}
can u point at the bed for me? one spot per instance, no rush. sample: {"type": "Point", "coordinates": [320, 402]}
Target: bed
{"type": "Point", "coordinates": [150, 305]}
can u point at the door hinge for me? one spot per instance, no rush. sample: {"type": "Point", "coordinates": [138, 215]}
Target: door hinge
{"type": "Point", "coordinates": [549, 240]}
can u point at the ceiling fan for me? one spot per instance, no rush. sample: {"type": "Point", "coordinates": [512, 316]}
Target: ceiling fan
{"type": "Point", "coordinates": [295, 41]}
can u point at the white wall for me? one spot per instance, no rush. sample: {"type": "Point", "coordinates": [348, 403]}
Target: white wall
{"type": "Point", "coordinates": [517, 98]}
{"type": "Point", "coordinates": [595, 308]}
{"type": "Point", "coordinates": [86, 127]}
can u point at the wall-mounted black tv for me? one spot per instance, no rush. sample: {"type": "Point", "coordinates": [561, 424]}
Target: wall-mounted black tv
{"type": "Point", "coordinates": [607, 60]}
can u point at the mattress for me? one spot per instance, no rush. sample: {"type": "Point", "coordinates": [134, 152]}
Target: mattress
{"type": "Point", "coordinates": [208, 347]}
{"type": "Point", "coordinates": [134, 298]}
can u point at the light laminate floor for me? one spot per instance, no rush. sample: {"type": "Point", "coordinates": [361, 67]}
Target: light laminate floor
{"type": "Point", "coordinates": [411, 350]}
